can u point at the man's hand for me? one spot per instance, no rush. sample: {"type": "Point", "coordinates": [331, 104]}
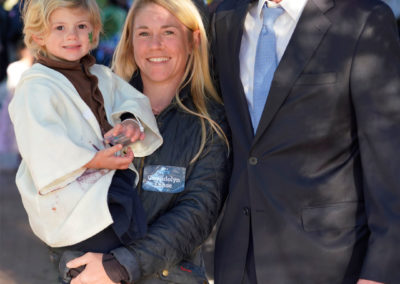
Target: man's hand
{"type": "Point", "coordinates": [363, 281]}
{"type": "Point", "coordinates": [93, 273]}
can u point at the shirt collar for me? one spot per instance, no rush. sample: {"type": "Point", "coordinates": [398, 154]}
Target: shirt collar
{"type": "Point", "coordinates": [293, 7]}
{"type": "Point", "coordinates": [87, 61]}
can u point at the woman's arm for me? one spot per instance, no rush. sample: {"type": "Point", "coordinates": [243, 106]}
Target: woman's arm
{"type": "Point", "coordinates": [182, 229]}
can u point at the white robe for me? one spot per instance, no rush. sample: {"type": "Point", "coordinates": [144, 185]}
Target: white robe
{"type": "Point", "coordinates": [57, 134]}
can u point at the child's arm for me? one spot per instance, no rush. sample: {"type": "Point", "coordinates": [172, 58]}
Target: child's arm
{"type": "Point", "coordinates": [54, 140]}
{"type": "Point", "coordinates": [131, 131]}
{"type": "Point", "coordinates": [122, 98]}
{"type": "Point", "coordinates": [127, 132]}
{"type": "Point", "coordinates": [107, 159]}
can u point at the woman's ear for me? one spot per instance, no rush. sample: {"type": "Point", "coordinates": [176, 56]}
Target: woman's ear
{"type": "Point", "coordinates": [196, 38]}
{"type": "Point", "coordinates": [39, 40]}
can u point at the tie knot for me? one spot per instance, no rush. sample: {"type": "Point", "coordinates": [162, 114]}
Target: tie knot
{"type": "Point", "coordinates": [270, 15]}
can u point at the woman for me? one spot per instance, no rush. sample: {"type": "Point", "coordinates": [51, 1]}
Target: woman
{"type": "Point", "coordinates": [163, 53]}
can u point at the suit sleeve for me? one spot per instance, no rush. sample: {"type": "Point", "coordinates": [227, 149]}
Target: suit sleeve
{"type": "Point", "coordinates": [375, 90]}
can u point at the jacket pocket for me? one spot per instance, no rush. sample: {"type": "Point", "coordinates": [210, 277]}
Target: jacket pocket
{"type": "Point", "coordinates": [333, 216]}
{"type": "Point", "coordinates": [317, 79]}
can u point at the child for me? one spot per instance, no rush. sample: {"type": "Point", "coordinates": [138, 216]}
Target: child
{"type": "Point", "coordinates": [62, 108]}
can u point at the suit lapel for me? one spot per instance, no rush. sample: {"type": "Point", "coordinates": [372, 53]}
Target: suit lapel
{"type": "Point", "coordinates": [236, 104]}
{"type": "Point", "coordinates": [312, 26]}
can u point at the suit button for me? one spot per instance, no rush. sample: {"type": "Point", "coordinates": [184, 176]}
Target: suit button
{"type": "Point", "coordinates": [246, 211]}
{"type": "Point", "coordinates": [253, 161]}
{"type": "Point", "coordinates": [165, 272]}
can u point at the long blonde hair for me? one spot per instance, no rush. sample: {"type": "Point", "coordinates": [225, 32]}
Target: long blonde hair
{"type": "Point", "coordinates": [36, 16]}
{"type": "Point", "coordinates": [197, 72]}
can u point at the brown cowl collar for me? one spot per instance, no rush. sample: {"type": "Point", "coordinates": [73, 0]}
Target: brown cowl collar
{"type": "Point", "coordinates": [84, 82]}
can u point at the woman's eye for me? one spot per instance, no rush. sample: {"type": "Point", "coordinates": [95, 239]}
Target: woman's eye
{"type": "Point", "coordinates": [59, 28]}
{"type": "Point", "coordinates": [82, 26]}
{"type": "Point", "coordinates": [143, 34]}
{"type": "Point", "coordinates": [168, 32]}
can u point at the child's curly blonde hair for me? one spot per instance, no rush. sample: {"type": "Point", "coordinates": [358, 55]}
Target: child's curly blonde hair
{"type": "Point", "coordinates": [36, 16]}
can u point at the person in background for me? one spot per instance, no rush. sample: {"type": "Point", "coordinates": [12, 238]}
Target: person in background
{"type": "Point", "coordinates": [12, 30]}
{"type": "Point", "coordinates": [311, 89]}
{"type": "Point", "coordinates": [9, 154]}
{"type": "Point", "coordinates": [4, 58]}
{"type": "Point", "coordinates": [202, 6]}
{"type": "Point", "coordinates": [113, 15]}
{"type": "Point", "coordinates": [78, 193]}
{"type": "Point", "coordinates": [163, 52]}
{"type": "Point", "coordinates": [212, 5]}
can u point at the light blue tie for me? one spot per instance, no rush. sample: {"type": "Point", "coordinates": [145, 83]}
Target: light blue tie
{"type": "Point", "coordinates": [265, 63]}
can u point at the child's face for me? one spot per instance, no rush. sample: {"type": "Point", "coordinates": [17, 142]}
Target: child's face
{"type": "Point", "coordinates": [70, 36]}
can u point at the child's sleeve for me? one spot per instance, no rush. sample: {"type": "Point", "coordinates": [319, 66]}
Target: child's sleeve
{"type": "Point", "coordinates": [45, 137]}
{"type": "Point", "coordinates": [128, 99]}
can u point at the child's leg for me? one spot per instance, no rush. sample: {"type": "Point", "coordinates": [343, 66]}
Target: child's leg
{"type": "Point", "coordinates": [59, 258]}
{"type": "Point", "coordinates": [129, 218]}
{"type": "Point", "coordinates": [129, 223]}
{"type": "Point", "coordinates": [102, 242]}
{"type": "Point", "coordinates": [126, 207]}
{"type": "Point", "coordinates": [67, 274]}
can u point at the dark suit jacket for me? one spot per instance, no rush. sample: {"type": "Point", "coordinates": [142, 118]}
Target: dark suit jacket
{"type": "Point", "coordinates": [319, 183]}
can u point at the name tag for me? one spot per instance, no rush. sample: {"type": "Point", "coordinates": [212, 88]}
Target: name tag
{"type": "Point", "coordinates": [164, 178]}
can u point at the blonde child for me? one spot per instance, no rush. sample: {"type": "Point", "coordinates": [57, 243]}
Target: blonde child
{"type": "Point", "coordinates": [79, 195]}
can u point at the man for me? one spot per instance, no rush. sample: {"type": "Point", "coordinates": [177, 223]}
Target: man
{"type": "Point", "coordinates": [315, 189]}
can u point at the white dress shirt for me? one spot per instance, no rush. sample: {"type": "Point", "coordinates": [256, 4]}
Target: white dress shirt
{"type": "Point", "coordinates": [283, 27]}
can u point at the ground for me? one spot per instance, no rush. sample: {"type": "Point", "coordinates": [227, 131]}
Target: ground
{"type": "Point", "coordinates": [23, 257]}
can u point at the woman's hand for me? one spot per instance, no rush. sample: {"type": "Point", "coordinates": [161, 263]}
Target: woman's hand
{"type": "Point", "coordinates": [107, 159]}
{"type": "Point", "coordinates": [93, 273]}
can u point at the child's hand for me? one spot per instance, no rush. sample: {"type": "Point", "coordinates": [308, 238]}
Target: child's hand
{"type": "Point", "coordinates": [107, 159]}
{"type": "Point", "coordinates": [129, 130]}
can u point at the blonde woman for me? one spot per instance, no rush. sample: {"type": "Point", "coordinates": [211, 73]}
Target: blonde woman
{"type": "Point", "coordinates": [163, 52]}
